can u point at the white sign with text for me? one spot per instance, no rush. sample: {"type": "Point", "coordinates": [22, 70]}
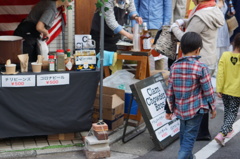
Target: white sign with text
{"type": "Point", "coordinates": [175, 127]}
{"type": "Point", "coordinates": [158, 121]}
{"type": "Point", "coordinates": [163, 132]}
{"type": "Point", "coordinates": [18, 81]}
{"type": "Point", "coordinates": [155, 98]}
{"type": "Point", "coordinates": [53, 79]}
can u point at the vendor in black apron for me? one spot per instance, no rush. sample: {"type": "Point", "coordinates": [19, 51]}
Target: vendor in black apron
{"type": "Point", "coordinates": [36, 25]}
{"type": "Point", "coordinates": [114, 20]}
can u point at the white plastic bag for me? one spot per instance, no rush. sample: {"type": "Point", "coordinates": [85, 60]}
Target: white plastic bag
{"type": "Point", "coordinates": [121, 79]}
{"type": "Point", "coordinates": [42, 45]}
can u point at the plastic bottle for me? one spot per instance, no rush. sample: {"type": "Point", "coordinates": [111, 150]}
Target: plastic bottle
{"type": "Point", "coordinates": [69, 62]}
{"type": "Point", "coordinates": [51, 63]}
{"type": "Point", "coordinates": [60, 63]}
{"type": "Point", "coordinates": [145, 39]}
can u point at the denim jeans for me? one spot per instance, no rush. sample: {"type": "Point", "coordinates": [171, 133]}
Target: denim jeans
{"type": "Point", "coordinates": [188, 134]}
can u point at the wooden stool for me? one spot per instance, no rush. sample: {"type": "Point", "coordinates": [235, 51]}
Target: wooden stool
{"type": "Point", "coordinates": [143, 68]}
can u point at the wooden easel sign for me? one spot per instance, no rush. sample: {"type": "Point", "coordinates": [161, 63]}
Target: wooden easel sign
{"type": "Point", "coordinates": [150, 95]}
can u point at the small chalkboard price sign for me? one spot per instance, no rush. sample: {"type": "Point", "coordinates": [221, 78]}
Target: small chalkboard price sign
{"type": "Point", "coordinates": [150, 95]}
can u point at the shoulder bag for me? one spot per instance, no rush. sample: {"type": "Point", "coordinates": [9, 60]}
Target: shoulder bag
{"type": "Point", "coordinates": [167, 43]}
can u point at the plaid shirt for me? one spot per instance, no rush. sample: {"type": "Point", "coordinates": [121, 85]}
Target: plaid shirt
{"type": "Point", "coordinates": [189, 87]}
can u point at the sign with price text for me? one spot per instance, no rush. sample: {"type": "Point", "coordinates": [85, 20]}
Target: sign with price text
{"type": "Point", "coordinates": [53, 79]}
{"type": "Point", "coordinates": [151, 98]}
{"type": "Point", "coordinates": [18, 81]}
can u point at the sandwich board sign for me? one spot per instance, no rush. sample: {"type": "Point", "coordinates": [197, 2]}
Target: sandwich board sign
{"type": "Point", "coordinates": [150, 95]}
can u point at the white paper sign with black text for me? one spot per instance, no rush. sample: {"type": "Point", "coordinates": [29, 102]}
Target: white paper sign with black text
{"type": "Point", "coordinates": [154, 97]}
{"type": "Point", "coordinates": [53, 79]}
{"type": "Point", "coordinates": [18, 81]}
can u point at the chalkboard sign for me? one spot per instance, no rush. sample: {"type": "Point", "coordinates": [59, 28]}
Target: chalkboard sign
{"type": "Point", "coordinates": [150, 95]}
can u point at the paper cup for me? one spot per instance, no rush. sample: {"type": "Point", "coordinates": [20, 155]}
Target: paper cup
{"type": "Point", "coordinates": [10, 69]}
{"type": "Point", "coordinates": [36, 67]}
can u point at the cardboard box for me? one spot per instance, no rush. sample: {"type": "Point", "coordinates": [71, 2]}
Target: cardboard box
{"type": "Point", "coordinates": [165, 74]}
{"type": "Point", "coordinates": [113, 107]}
{"type": "Point", "coordinates": [111, 97]}
{"type": "Point", "coordinates": [113, 124]}
{"type": "Point", "coordinates": [110, 113]}
{"type": "Point", "coordinates": [66, 136]}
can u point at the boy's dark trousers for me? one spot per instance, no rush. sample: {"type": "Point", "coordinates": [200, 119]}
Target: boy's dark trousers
{"type": "Point", "coordinates": [204, 133]}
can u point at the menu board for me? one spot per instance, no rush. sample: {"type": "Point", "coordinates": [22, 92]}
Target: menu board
{"type": "Point", "coordinates": [150, 95]}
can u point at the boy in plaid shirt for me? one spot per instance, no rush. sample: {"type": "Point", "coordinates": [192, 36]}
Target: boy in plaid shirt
{"type": "Point", "coordinates": [190, 92]}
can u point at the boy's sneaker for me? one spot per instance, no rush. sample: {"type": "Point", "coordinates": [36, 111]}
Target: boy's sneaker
{"type": "Point", "coordinates": [220, 139]}
{"type": "Point", "coordinates": [229, 134]}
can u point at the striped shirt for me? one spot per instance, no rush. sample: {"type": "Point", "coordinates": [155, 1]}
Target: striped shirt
{"type": "Point", "coordinates": [189, 87]}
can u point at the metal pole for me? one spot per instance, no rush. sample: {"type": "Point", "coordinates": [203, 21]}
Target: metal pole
{"type": "Point", "coordinates": [63, 34]}
{"type": "Point", "coordinates": [101, 64]}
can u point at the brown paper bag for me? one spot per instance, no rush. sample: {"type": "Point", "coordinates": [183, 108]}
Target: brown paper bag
{"type": "Point", "coordinates": [23, 58]}
{"type": "Point", "coordinates": [232, 23]}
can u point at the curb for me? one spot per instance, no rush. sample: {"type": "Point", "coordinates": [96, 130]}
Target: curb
{"type": "Point", "coordinates": [20, 154]}
{"type": "Point", "coordinates": [113, 138]}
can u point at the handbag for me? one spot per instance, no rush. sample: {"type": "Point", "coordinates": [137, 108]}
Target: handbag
{"type": "Point", "coordinates": [232, 23]}
{"type": "Point", "coordinates": [167, 43]}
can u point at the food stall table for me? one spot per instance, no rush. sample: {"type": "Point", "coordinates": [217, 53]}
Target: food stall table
{"type": "Point", "coordinates": [50, 109]}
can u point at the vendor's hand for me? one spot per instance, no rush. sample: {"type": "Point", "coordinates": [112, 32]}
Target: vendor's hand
{"type": "Point", "coordinates": [173, 26]}
{"type": "Point", "coordinates": [45, 37]}
{"type": "Point", "coordinates": [139, 20]}
{"type": "Point", "coordinates": [219, 95]}
{"type": "Point", "coordinates": [129, 36]}
{"type": "Point", "coordinates": [168, 116]}
{"type": "Point", "coordinates": [214, 114]}
{"type": "Point", "coordinates": [179, 22]}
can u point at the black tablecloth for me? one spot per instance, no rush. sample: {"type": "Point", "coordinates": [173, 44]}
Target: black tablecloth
{"type": "Point", "coordinates": [32, 111]}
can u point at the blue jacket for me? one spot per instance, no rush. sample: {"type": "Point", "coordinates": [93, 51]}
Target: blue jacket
{"type": "Point", "coordinates": [155, 12]}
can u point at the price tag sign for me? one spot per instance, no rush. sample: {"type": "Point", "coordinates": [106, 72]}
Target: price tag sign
{"type": "Point", "coordinates": [163, 132]}
{"type": "Point", "coordinates": [158, 121]}
{"type": "Point", "coordinates": [53, 79]}
{"type": "Point", "coordinates": [18, 81]}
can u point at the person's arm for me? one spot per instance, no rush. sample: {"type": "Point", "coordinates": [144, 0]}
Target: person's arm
{"type": "Point", "coordinates": [220, 76]}
{"type": "Point", "coordinates": [110, 17]}
{"type": "Point", "coordinates": [133, 13]}
{"type": "Point", "coordinates": [207, 90]}
{"type": "Point", "coordinates": [112, 22]}
{"type": "Point", "coordinates": [195, 25]}
{"type": "Point", "coordinates": [170, 92]}
{"type": "Point", "coordinates": [40, 27]}
{"type": "Point", "coordinates": [170, 99]}
{"type": "Point", "coordinates": [127, 34]}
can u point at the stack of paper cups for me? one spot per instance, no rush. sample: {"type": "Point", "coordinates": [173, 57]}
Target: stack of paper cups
{"type": "Point", "coordinates": [136, 38]}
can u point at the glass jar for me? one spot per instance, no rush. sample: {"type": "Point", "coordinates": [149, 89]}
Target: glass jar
{"type": "Point", "coordinates": [51, 63]}
{"type": "Point", "coordinates": [60, 61]}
